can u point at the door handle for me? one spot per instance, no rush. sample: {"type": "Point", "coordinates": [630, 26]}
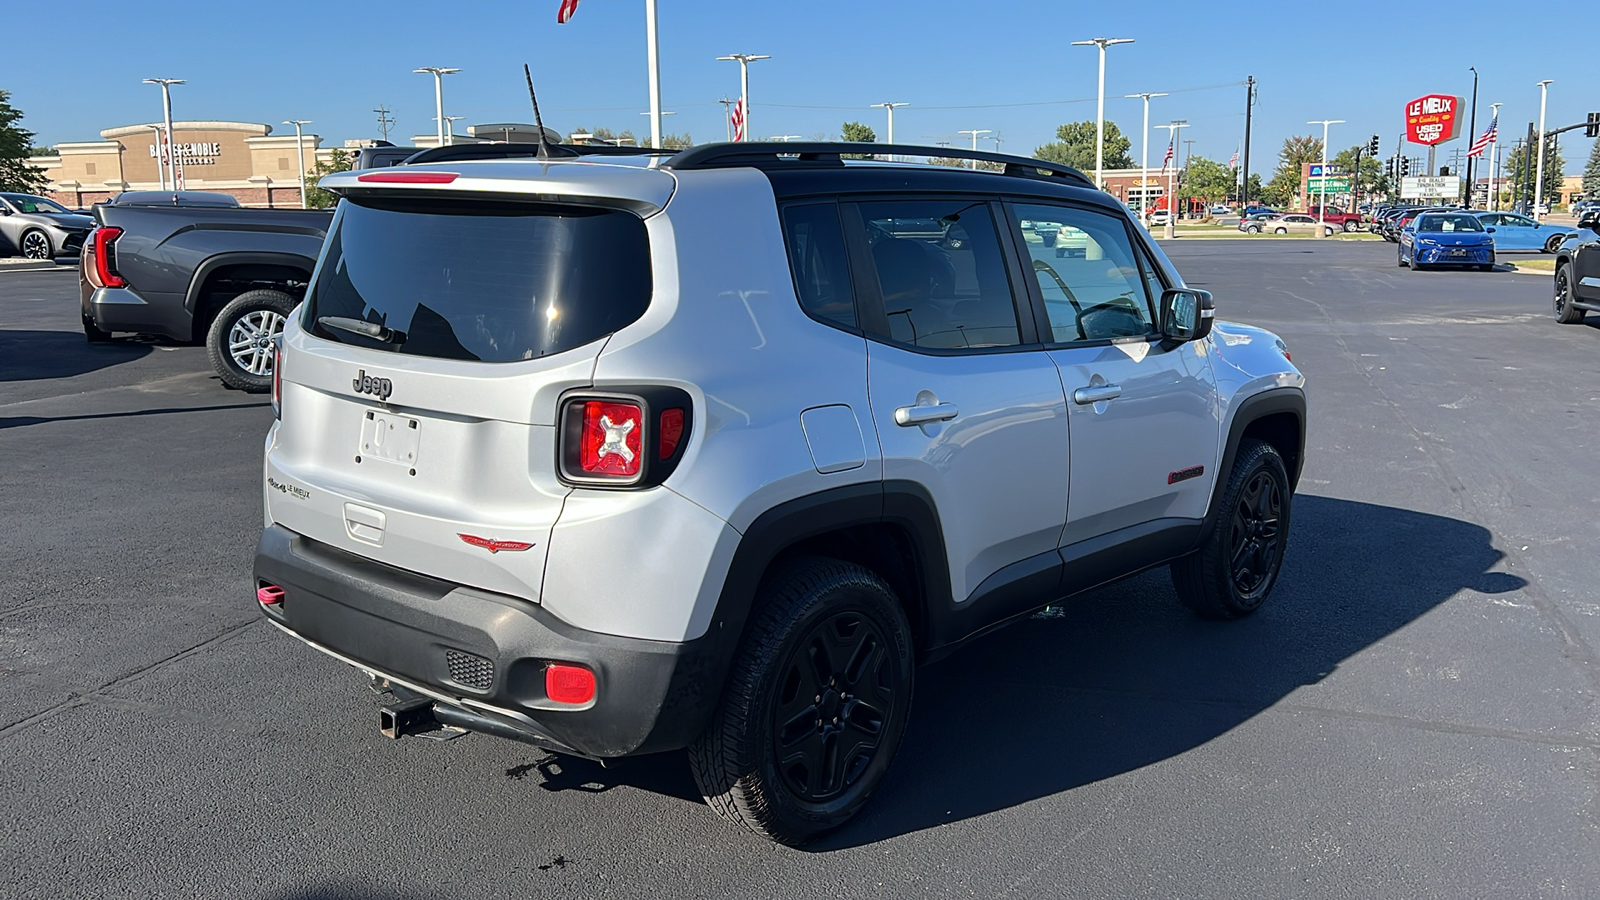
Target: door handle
{"type": "Point", "coordinates": [925, 415]}
{"type": "Point", "coordinates": [1086, 395]}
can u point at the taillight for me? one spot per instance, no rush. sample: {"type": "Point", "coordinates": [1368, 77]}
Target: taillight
{"type": "Point", "coordinates": [632, 438]}
{"type": "Point", "coordinates": [565, 683]}
{"type": "Point", "coordinates": [104, 274]}
{"type": "Point", "coordinates": [387, 177]}
{"type": "Point", "coordinates": [277, 377]}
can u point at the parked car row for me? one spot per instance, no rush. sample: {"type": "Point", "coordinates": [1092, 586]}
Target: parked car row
{"type": "Point", "coordinates": [40, 228]}
{"type": "Point", "coordinates": [1286, 223]}
{"type": "Point", "coordinates": [1514, 232]}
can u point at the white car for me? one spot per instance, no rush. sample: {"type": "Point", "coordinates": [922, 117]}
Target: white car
{"type": "Point", "coordinates": [583, 451]}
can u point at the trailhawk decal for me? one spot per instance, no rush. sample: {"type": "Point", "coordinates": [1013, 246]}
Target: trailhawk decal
{"type": "Point", "coordinates": [492, 545]}
{"type": "Point", "coordinates": [1185, 474]}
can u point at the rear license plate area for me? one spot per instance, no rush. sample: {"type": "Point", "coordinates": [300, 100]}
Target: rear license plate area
{"type": "Point", "coordinates": [389, 437]}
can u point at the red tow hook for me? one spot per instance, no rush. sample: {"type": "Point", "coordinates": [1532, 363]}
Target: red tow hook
{"type": "Point", "coordinates": [271, 595]}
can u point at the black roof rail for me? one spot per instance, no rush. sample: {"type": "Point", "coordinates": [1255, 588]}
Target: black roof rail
{"type": "Point", "coordinates": [454, 152]}
{"type": "Point", "coordinates": [774, 153]}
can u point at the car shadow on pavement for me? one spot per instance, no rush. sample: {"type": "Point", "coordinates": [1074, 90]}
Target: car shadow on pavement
{"type": "Point", "coordinates": [42, 355]}
{"type": "Point", "coordinates": [1124, 676]}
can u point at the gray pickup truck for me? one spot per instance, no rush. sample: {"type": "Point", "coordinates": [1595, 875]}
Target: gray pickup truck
{"type": "Point", "coordinates": [196, 267]}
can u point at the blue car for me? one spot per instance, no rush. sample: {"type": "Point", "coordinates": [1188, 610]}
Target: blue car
{"type": "Point", "coordinates": [1517, 232]}
{"type": "Point", "coordinates": [1446, 239]}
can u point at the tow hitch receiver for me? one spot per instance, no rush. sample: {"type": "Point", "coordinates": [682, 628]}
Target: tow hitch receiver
{"type": "Point", "coordinates": [408, 717]}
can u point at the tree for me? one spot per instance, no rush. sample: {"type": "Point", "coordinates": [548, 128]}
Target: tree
{"type": "Point", "coordinates": [676, 141]}
{"type": "Point", "coordinates": [855, 132]}
{"type": "Point", "coordinates": [16, 145]}
{"type": "Point", "coordinates": [1522, 179]}
{"type": "Point", "coordinates": [316, 197]}
{"type": "Point", "coordinates": [1372, 180]}
{"type": "Point", "coordinates": [1591, 173]}
{"type": "Point", "coordinates": [1074, 146]}
{"type": "Point", "coordinates": [1296, 152]}
{"type": "Point", "coordinates": [1206, 179]}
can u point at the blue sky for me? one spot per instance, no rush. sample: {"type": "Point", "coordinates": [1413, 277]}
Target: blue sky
{"type": "Point", "coordinates": [1007, 64]}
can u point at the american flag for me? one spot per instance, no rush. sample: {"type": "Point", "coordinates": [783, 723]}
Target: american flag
{"type": "Point", "coordinates": [1489, 137]}
{"type": "Point", "coordinates": [568, 7]}
{"type": "Point", "coordinates": [738, 120]}
{"type": "Point", "coordinates": [1233, 161]}
{"type": "Point", "coordinates": [1168, 160]}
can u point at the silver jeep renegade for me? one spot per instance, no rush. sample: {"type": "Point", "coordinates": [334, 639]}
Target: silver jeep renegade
{"type": "Point", "coordinates": [618, 454]}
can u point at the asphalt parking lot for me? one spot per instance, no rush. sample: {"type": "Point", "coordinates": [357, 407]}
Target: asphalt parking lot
{"type": "Point", "coordinates": [1414, 714]}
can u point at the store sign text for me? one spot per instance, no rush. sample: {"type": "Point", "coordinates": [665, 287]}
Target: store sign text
{"type": "Point", "coordinates": [193, 154]}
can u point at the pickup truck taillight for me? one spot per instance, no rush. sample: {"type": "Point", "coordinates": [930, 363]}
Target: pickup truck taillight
{"type": "Point", "coordinates": [103, 273]}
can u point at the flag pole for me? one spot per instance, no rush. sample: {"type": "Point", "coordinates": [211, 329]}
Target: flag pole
{"type": "Point", "coordinates": [655, 72]}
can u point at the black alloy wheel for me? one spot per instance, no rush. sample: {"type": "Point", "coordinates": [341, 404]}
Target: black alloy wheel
{"type": "Point", "coordinates": [1254, 534]}
{"type": "Point", "coordinates": [1566, 313]}
{"type": "Point", "coordinates": [836, 691]}
{"type": "Point", "coordinates": [1554, 244]}
{"type": "Point", "coordinates": [36, 245]}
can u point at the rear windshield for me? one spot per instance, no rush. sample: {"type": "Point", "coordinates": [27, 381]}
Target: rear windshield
{"type": "Point", "coordinates": [480, 280]}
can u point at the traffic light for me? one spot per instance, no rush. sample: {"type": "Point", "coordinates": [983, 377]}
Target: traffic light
{"type": "Point", "coordinates": [1405, 166]}
{"type": "Point", "coordinates": [1372, 145]}
{"type": "Point", "coordinates": [1593, 128]}
{"type": "Point", "coordinates": [1388, 168]}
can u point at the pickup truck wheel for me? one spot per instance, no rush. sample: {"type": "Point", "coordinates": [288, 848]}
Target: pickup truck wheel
{"type": "Point", "coordinates": [815, 703]}
{"type": "Point", "coordinates": [1349, 226]}
{"type": "Point", "coordinates": [36, 245]}
{"type": "Point", "coordinates": [1241, 553]}
{"type": "Point", "coordinates": [1566, 313]}
{"type": "Point", "coordinates": [239, 342]}
{"type": "Point", "coordinates": [92, 332]}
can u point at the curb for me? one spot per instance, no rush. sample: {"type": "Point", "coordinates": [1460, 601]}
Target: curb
{"type": "Point", "coordinates": [34, 265]}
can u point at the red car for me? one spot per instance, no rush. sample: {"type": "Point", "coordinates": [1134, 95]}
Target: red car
{"type": "Point", "coordinates": [1349, 221]}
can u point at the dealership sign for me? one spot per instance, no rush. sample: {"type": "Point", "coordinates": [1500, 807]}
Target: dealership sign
{"type": "Point", "coordinates": [1433, 119]}
{"type": "Point", "coordinates": [1418, 187]}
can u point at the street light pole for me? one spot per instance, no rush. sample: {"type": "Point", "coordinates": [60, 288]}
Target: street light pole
{"type": "Point", "coordinates": [438, 73]}
{"type": "Point", "coordinates": [1538, 178]}
{"type": "Point", "coordinates": [1100, 107]}
{"type": "Point", "coordinates": [1172, 176]}
{"type": "Point", "coordinates": [450, 128]}
{"type": "Point", "coordinates": [300, 152]}
{"type": "Point", "coordinates": [975, 132]}
{"type": "Point", "coordinates": [745, 59]}
{"type": "Point", "coordinates": [166, 112]}
{"type": "Point", "coordinates": [1472, 135]}
{"type": "Point", "coordinates": [161, 172]}
{"type": "Point", "coordinates": [1144, 152]}
{"type": "Point", "coordinates": [1322, 193]}
{"type": "Point", "coordinates": [654, 58]}
{"type": "Point", "coordinates": [1494, 158]}
{"type": "Point", "coordinates": [890, 108]}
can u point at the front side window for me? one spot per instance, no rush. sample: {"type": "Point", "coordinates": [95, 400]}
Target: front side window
{"type": "Point", "coordinates": [941, 273]}
{"type": "Point", "coordinates": [1090, 279]}
{"type": "Point", "coordinates": [819, 263]}
{"type": "Point", "coordinates": [489, 281]}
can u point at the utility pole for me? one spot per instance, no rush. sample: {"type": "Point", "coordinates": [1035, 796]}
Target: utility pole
{"type": "Point", "coordinates": [890, 108]}
{"type": "Point", "coordinates": [744, 59]}
{"type": "Point", "coordinates": [1100, 107]}
{"type": "Point", "coordinates": [727, 116]}
{"type": "Point", "coordinates": [975, 132]}
{"type": "Point", "coordinates": [438, 73]}
{"type": "Point", "coordinates": [300, 151]}
{"type": "Point", "coordinates": [1172, 183]}
{"type": "Point", "coordinates": [1144, 152]}
{"type": "Point", "coordinates": [1322, 198]}
{"type": "Point", "coordinates": [1188, 151]}
{"type": "Point", "coordinates": [1538, 179]}
{"type": "Point", "coordinates": [384, 121]}
{"type": "Point", "coordinates": [166, 111]}
{"type": "Point", "coordinates": [1249, 105]}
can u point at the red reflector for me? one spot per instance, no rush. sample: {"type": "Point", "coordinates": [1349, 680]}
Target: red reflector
{"type": "Point", "coordinates": [271, 595]}
{"type": "Point", "coordinates": [568, 684]}
{"type": "Point", "coordinates": [391, 177]}
{"type": "Point", "coordinates": [104, 273]}
{"type": "Point", "coordinates": [671, 431]}
{"type": "Point", "coordinates": [612, 442]}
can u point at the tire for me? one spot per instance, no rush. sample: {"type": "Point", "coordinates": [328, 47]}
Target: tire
{"type": "Point", "coordinates": [1553, 245]}
{"type": "Point", "coordinates": [1566, 313]}
{"type": "Point", "coordinates": [35, 244]}
{"type": "Point", "coordinates": [92, 332]}
{"type": "Point", "coordinates": [239, 340]}
{"type": "Point", "coordinates": [1252, 517]}
{"type": "Point", "coordinates": [1280, 231]}
{"type": "Point", "coordinates": [1253, 229]}
{"type": "Point", "coordinates": [1349, 227]}
{"type": "Point", "coordinates": [806, 609]}
{"type": "Point", "coordinates": [1400, 259]}
{"type": "Point", "coordinates": [1329, 231]}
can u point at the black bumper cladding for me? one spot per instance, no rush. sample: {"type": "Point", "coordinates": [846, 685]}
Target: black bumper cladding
{"type": "Point", "coordinates": [485, 653]}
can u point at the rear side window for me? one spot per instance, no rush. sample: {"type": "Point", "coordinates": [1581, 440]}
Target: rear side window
{"type": "Point", "coordinates": [819, 263]}
{"type": "Point", "coordinates": [481, 280]}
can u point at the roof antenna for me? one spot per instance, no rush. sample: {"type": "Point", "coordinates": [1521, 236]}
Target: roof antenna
{"type": "Point", "coordinates": [538, 121]}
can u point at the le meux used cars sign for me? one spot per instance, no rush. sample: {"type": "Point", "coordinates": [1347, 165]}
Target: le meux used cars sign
{"type": "Point", "coordinates": [1433, 119]}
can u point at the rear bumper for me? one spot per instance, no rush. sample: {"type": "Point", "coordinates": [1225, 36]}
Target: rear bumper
{"type": "Point", "coordinates": [486, 653]}
{"type": "Point", "coordinates": [122, 309]}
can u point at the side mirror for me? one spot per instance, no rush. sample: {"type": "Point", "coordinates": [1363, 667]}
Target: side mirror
{"type": "Point", "coordinates": [1490, 230]}
{"type": "Point", "coordinates": [1589, 221]}
{"type": "Point", "coordinates": [1186, 314]}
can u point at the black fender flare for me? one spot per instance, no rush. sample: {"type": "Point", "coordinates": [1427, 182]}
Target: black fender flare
{"type": "Point", "coordinates": [240, 258]}
{"type": "Point", "coordinates": [1253, 409]}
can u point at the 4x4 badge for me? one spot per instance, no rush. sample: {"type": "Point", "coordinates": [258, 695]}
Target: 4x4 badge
{"type": "Point", "coordinates": [492, 545]}
{"type": "Point", "coordinates": [366, 384]}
